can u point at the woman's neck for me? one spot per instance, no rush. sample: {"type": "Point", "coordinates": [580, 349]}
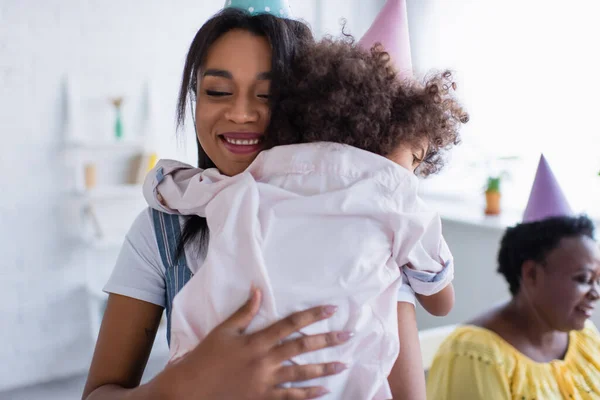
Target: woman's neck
{"type": "Point", "coordinates": [532, 334]}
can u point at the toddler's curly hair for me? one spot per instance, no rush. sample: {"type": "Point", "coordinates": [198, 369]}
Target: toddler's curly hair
{"type": "Point", "coordinates": [339, 92]}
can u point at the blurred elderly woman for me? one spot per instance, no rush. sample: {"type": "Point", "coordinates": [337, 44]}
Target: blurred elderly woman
{"type": "Point", "coordinates": [540, 344]}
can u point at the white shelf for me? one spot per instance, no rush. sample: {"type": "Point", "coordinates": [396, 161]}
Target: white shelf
{"type": "Point", "coordinates": [109, 192]}
{"type": "Point", "coordinates": [106, 145]}
{"type": "Point", "coordinates": [470, 212]}
{"type": "Point", "coordinates": [96, 155]}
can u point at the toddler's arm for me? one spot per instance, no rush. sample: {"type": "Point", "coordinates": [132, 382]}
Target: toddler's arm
{"type": "Point", "coordinates": [407, 379]}
{"type": "Point", "coordinates": [438, 304]}
{"type": "Point", "coordinates": [433, 290]}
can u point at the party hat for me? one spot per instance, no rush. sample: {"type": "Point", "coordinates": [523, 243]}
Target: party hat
{"type": "Point", "coordinates": [279, 8]}
{"type": "Point", "coordinates": [390, 28]}
{"type": "Point", "coordinates": [546, 198]}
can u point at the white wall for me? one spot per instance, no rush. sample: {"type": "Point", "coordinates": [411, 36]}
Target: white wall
{"type": "Point", "coordinates": [526, 73]}
{"type": "Point", "coordinates": [103, 47]}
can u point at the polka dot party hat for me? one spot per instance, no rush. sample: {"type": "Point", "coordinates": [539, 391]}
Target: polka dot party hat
{"type": "Point", "coordinates": [279, 8]}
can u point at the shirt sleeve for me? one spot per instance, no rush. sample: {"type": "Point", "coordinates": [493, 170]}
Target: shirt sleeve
{"type": "Point", "coordinates": [466, 376]}
{"type": "Point", "coordinates": [422, 251]}
{"type": "Point", "coordinates": [169, 184]}
{"type": "Point", "coordinates": [139, 272]}
{"type": "Point", "coordinates": [428, 283]}
{"type": "Point", "coordinates": [406, 294]}
{"type": "Point", "coordinates": [177, 188]}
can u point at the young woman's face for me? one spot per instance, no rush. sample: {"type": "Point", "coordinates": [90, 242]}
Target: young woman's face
{"type": "Point", "coordinates": [567, 289]}
{"type": "Point", "coordinates": [232, 108]}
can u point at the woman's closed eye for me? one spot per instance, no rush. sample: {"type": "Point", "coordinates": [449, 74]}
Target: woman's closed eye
{"type": "Point", "coordinates": [217, 93]}
{"type": "Point", "coordinates": [587, 279]}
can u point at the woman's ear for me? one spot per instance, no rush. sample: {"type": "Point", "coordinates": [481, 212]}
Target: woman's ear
{"type": "Point", "coordinates": [529, 274]}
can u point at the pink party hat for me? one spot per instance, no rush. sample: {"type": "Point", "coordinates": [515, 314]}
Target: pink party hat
{"type": "Point", "coordinates": [546, 198]}
{"type": "Point", "coordinates": [390, 28]}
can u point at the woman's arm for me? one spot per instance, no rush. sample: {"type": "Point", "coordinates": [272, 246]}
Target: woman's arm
{"type": "Point", "coordinates": [122, 350]}
{"type": "Point", "coordinates": [439, 304]}
{"type": "Point", "coordinates": [227, 364]}
{"type": "Point", "coordinates": [407, 379]}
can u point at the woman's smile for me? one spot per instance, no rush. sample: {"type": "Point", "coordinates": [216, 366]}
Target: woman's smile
{"type": "Point", "coordinates": [242, 142]}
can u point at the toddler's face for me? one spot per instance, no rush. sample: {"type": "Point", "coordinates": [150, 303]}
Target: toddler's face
{"type": "Point", "coordinates": [409, 156]}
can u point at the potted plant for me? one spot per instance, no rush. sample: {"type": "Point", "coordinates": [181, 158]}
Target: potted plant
{"type": "Point", "coordinates": [492, 195]}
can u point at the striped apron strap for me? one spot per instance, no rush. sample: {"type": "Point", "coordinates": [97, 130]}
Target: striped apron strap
{"type": "Point", "coordinates": [177, 273]}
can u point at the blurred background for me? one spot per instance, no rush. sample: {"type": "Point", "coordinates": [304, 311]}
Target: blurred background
{"type": "Point", "coordinates": [87, 102]}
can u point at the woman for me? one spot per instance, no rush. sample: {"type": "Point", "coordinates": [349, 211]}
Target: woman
{"type": "Point", "coordinates": [539, 345]}
{"type": "Point", "coordinates": [233, 69]}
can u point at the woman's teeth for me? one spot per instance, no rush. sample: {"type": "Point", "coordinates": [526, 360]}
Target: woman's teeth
{"type": "Point", "coordinates": [242, 142]}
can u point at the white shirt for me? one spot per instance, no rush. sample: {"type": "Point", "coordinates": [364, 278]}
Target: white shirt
{"type": "Point", "coordinates": [309, 224]}
{"type": "Point", "coordinates": [139, 272]}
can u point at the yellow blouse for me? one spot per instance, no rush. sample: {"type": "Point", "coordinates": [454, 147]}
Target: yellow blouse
{"type": "Point", "coordinates": [477, 364]}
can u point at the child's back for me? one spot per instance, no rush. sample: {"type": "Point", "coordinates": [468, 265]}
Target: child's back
{"type": "Point", "coordinates": [313, 224]}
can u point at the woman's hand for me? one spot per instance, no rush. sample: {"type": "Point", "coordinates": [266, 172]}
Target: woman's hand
{"type": "Point", "coordinates": [229, 364]}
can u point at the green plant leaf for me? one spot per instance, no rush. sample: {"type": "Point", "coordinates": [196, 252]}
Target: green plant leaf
{"type": "Point", "coordinates": [493, 184]}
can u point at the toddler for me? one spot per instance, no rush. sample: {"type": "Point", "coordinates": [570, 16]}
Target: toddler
{"type": "Point", "coordinates": [328, 214]}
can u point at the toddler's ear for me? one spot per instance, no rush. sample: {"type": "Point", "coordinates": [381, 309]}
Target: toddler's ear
{"type": "Point", "coordinates": [160, 199]}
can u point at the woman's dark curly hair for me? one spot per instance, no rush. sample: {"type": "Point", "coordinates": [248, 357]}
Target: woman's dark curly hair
{"type": "Point", "coordinates": [342, 93]}
{"type": "Point", "coordinates": [532, 241]}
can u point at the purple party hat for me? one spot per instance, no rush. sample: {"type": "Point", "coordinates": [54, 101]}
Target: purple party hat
{"type": "Point", "coordinates": [546, 198]}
